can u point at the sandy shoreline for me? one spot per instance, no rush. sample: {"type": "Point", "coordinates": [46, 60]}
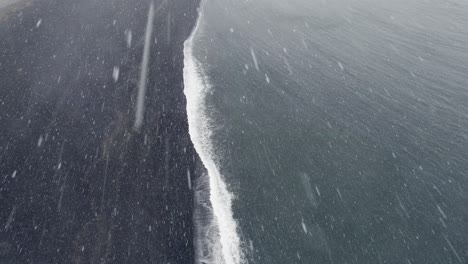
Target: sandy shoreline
{"type": "Point", "coordinates": [79, 184]}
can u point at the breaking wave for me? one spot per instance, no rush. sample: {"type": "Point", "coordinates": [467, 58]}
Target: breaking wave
{"type": "Point", "coordinates": [216, 236]}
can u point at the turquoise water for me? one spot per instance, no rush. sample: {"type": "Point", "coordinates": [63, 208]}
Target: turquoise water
{"type": "Point", "coordinates": [340, 129]}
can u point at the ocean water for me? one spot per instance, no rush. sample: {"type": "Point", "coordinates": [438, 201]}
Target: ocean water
{"type": "Point", "coordinates": [332, 131]}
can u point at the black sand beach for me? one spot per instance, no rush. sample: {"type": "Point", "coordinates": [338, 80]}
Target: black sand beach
{"type": "Point", "coordinates": [78, 184]}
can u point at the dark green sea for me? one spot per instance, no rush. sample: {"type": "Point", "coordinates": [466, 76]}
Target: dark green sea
{"type": "Point", "coordinates": [332, 131]}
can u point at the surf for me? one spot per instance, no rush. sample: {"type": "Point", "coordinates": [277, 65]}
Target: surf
{"type": "Point", "coordinates": [216, 234]}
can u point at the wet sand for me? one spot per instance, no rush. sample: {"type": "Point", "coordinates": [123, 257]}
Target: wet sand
{"type": "Point", "coordinates": [77, 183]}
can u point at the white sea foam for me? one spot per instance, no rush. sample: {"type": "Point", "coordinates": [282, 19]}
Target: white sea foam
{"type": "Point", "coordinates": [217, 239]}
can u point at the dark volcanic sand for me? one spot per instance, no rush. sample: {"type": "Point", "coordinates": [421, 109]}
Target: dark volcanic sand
{"type": "Point", "coordinates": [77, 183]}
